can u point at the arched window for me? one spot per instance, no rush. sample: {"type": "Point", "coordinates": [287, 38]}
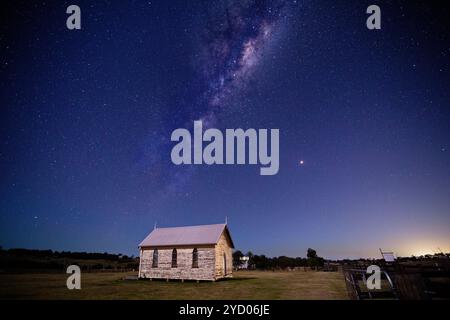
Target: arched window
{"type": "Point", "coordinates": [174, 258]}
{"type": "Point", "coordinates": [195, 258]}
{"type": "Point", "coordinates": [155, 259]}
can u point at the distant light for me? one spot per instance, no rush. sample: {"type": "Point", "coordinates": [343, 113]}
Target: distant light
{"type": "Point", "coordinates": [302, 162]}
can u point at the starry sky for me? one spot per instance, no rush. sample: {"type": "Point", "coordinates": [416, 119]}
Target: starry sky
{"type": "Point", "coordinates": [86, 119]}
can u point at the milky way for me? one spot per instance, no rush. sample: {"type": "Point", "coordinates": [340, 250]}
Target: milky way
{"type": "Point", "coordinates": [233, 47]}
{"type": "Point", "coordinates": [232, 44]}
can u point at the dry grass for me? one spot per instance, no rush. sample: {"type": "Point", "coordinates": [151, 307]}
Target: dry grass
{"type": "Point", "coordinates": [245, 285]}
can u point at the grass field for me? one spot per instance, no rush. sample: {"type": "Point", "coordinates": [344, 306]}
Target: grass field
{"type": "Point", "coordinates": [244, 285]}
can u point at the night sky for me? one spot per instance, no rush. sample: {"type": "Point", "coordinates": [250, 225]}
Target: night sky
{"type": "Point", "coordinates": [87, 115]}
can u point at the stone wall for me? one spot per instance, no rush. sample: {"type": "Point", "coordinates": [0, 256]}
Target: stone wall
{"type": "Point", "coordinates": [184, 270]}
{"type": "Point", "coordinates": [223, 248]}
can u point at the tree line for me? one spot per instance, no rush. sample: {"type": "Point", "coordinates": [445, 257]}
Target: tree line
{"type": "Point", "coordinates": [26, 259]}
{"type": "Point", "coordinates": [67, 254]}
{"type": "Point", "coordinates": [263, 262]}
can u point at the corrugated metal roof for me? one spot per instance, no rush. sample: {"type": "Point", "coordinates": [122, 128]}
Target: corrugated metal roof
{"type": "Point", "coordinates": [192, 235]}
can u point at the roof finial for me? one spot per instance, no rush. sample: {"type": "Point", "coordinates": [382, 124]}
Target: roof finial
{"type": "Point", "coordinates": [226, 219]}
{"type": "Point", "coordinates": [154, 227]}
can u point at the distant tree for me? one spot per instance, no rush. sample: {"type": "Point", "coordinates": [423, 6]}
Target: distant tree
{"type": "Point", "coordinates": [237, 255]}
{"type": "Point", "coordinates": [262, 262]}
{"type": "Point", "coordinates": [284, 262]}
{"type": "Point", "coordinates": [251, 262]}
{"type": "Point", "coordinates": [311, 253]}
{"type": "Point", "coordinates": [300, 262]}
{"type": "Point", "coordinates": [313, 259]}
